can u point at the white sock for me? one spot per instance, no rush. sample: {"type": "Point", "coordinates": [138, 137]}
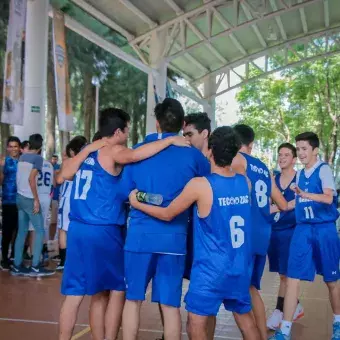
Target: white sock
{"type": "Point", "coordinates": [286, 327]}
{"type": "Point", "coordinates": [336, 318]}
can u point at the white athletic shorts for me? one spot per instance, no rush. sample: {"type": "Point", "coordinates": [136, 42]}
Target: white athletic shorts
{"type": "Point", "coordinates": [63, 212]}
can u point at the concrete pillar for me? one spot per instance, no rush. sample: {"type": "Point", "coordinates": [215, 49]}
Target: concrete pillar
{"type": "Point", "coordinates": [35, 76]}
{"type": "Point", "coordinates": [210, 88]}
{"type": "Point", "coordinates": [158, 44]}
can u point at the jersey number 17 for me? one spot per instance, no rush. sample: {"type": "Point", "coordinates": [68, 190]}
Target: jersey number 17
{"type": "Point", "coordinates": [83, 175]}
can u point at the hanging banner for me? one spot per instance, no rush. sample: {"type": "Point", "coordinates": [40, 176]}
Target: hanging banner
{"type": "Point", "coordinates": [13, 91]}
{"type": "Point", "coordinates": [61, 75]}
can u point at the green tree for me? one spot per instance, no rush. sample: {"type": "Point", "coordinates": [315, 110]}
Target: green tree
{"type": "Point", "coordinates": [299, 99]}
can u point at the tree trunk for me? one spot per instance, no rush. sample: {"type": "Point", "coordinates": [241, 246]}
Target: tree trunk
{"type": "Point", "coordinates": [89, 94]}
{"type": "Point", "coordinates": [334, 138]}
{"type": "Point", "coordinates": [51, 114]}
{"type": "Point", "coordinates": [4, 128]}
{"type": "Point", "coordinates": [64, 138]}
{"type": "Point", "coordinates": [5, 132]}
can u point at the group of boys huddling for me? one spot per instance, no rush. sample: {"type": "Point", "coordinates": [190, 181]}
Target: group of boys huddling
{"type": "Point", "coordinates": [221, 214]}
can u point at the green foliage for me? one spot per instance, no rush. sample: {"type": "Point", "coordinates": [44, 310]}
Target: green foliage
{"type": "Point", "coordinates": [299, 99]}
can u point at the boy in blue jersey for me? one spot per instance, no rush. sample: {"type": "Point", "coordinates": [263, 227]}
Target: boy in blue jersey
{"type": "Point", "coordinates": [155, 249]}
{"type": "Point", "coordinates": [283, 225]}
{"type": "Point", "coordinates": [263, 189]}
{"type": "Point", "coordinates": [197, 130]}
{"type": "Point", "coordinates": [315, 246]}
{"type": "Point", "coordinates": [95, 259]}
{"type": "Point", "coordinates": [8, 172]}
{"type": "Point", "coordinates": [222, 223]}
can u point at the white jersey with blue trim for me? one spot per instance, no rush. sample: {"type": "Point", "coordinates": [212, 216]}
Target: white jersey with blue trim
{"type": "Point", "coordinates": [64, 205]}
{"type": "Point", "coordinates": [45, 179]}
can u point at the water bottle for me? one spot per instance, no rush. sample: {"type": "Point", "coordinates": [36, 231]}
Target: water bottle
{"type": "Point", "coordinates": [146, 197]}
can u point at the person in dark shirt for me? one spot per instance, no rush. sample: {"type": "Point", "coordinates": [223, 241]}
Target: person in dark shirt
{"type": "Point", "coordinates": [8, 172]}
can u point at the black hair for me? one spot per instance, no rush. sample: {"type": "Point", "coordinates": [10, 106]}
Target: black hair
{"type": "Point", "coordinates": [310, 137]}
{"type": "Point", "coordinates": [35, 141]}
{"type": "Point", "coordinates": [24, 144]}
{"type": "Point", "coordinates": [224, 143]}
{"type": "Point", "coordinates": [112, 119]}
{"type": "Point", "coordinates": [289, 146]}
{"type": "Point", "coordinates": [96, 136]}
{"type": "Point", "coordinates": [75, 144]}
{"type": "Point", "coordinates": [13, 139]}
{"type": "Point", "coordinates": [170, 115]}
{"type": "Point", "coordinates": [246, 133]}
{"type": "Point", "coordinates": [199, 120]}
{"type": "Point", "coordinates": [55, 155]}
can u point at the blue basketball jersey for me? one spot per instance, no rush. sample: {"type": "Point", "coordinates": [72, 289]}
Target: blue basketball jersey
{"type": "Point", "coordinates": [284, 219]}
{"type": "Point", "coordinates": [95, 195]}
{"type": "Point", "coordinates": [311, 212]}
{"type": "Point", "coordinates": [165, 173]}
{"type": "Point", "coordinates": [261, 184]}
{"type": "Point", "coordinates": [9, 184]}
{"type": "Point", "coordinates": [222, 249]}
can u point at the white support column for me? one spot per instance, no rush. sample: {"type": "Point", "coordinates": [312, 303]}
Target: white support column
{"type": "Point", "coordinates": [210, 88]}
{"type": "Point", "coordinates": [35, 75]}
{"type": "Point", "coordinates": [158, 44]}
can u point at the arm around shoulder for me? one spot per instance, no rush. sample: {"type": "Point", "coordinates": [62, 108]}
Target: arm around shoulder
{"type": "Point", "coordinates": [123, 155]}
{"type": "Point", "coordinates": [182, 202]}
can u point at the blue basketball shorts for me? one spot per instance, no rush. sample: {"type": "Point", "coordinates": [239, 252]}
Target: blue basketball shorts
{"type": "Point", "coordinates": [256, 270]}
{"type": "Point", "coordinates": [278, 251]}
{"type": "Point", "coordinates": [95, 260]}
{"type": "Point", "coordinates": [200, 304]}
{"type": "Point", "coordinates": [315, 248]}
{"type": "Point", "coordinates": [166, 272]}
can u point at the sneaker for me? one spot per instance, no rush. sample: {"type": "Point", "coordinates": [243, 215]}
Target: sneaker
{"type": "Point", "coordinates": [299, 312]}
{"type": "Point", "coordinates": [40, 271]}
{"type": "Point", "coordinates": [60, 268]}
{"type": "Point", "coordinates": [279, 336]}
{"type": "Point", "coordinates": [275, 319]}
{"type": "Point", "coordinates": [5, 265]}
{"type": "Point", "coordinates": [19, 271]}
{"type": "Point", "coordinates": [336, 331]}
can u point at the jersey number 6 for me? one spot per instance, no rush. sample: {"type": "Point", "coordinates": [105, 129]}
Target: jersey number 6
{"type": "Point", "coordinates": [237, 234]}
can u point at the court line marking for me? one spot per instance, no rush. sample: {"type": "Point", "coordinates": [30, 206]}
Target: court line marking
{"type": "Point", "coordinates": [39, 321]}
{"type": "Point", "coordinates": [81, 333]}
{"type": "Point", "coordinates": [86, 325]}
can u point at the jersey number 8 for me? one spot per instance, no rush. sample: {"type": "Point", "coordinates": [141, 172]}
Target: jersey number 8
{"type": "Point", "coordinates": [261, 193]}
